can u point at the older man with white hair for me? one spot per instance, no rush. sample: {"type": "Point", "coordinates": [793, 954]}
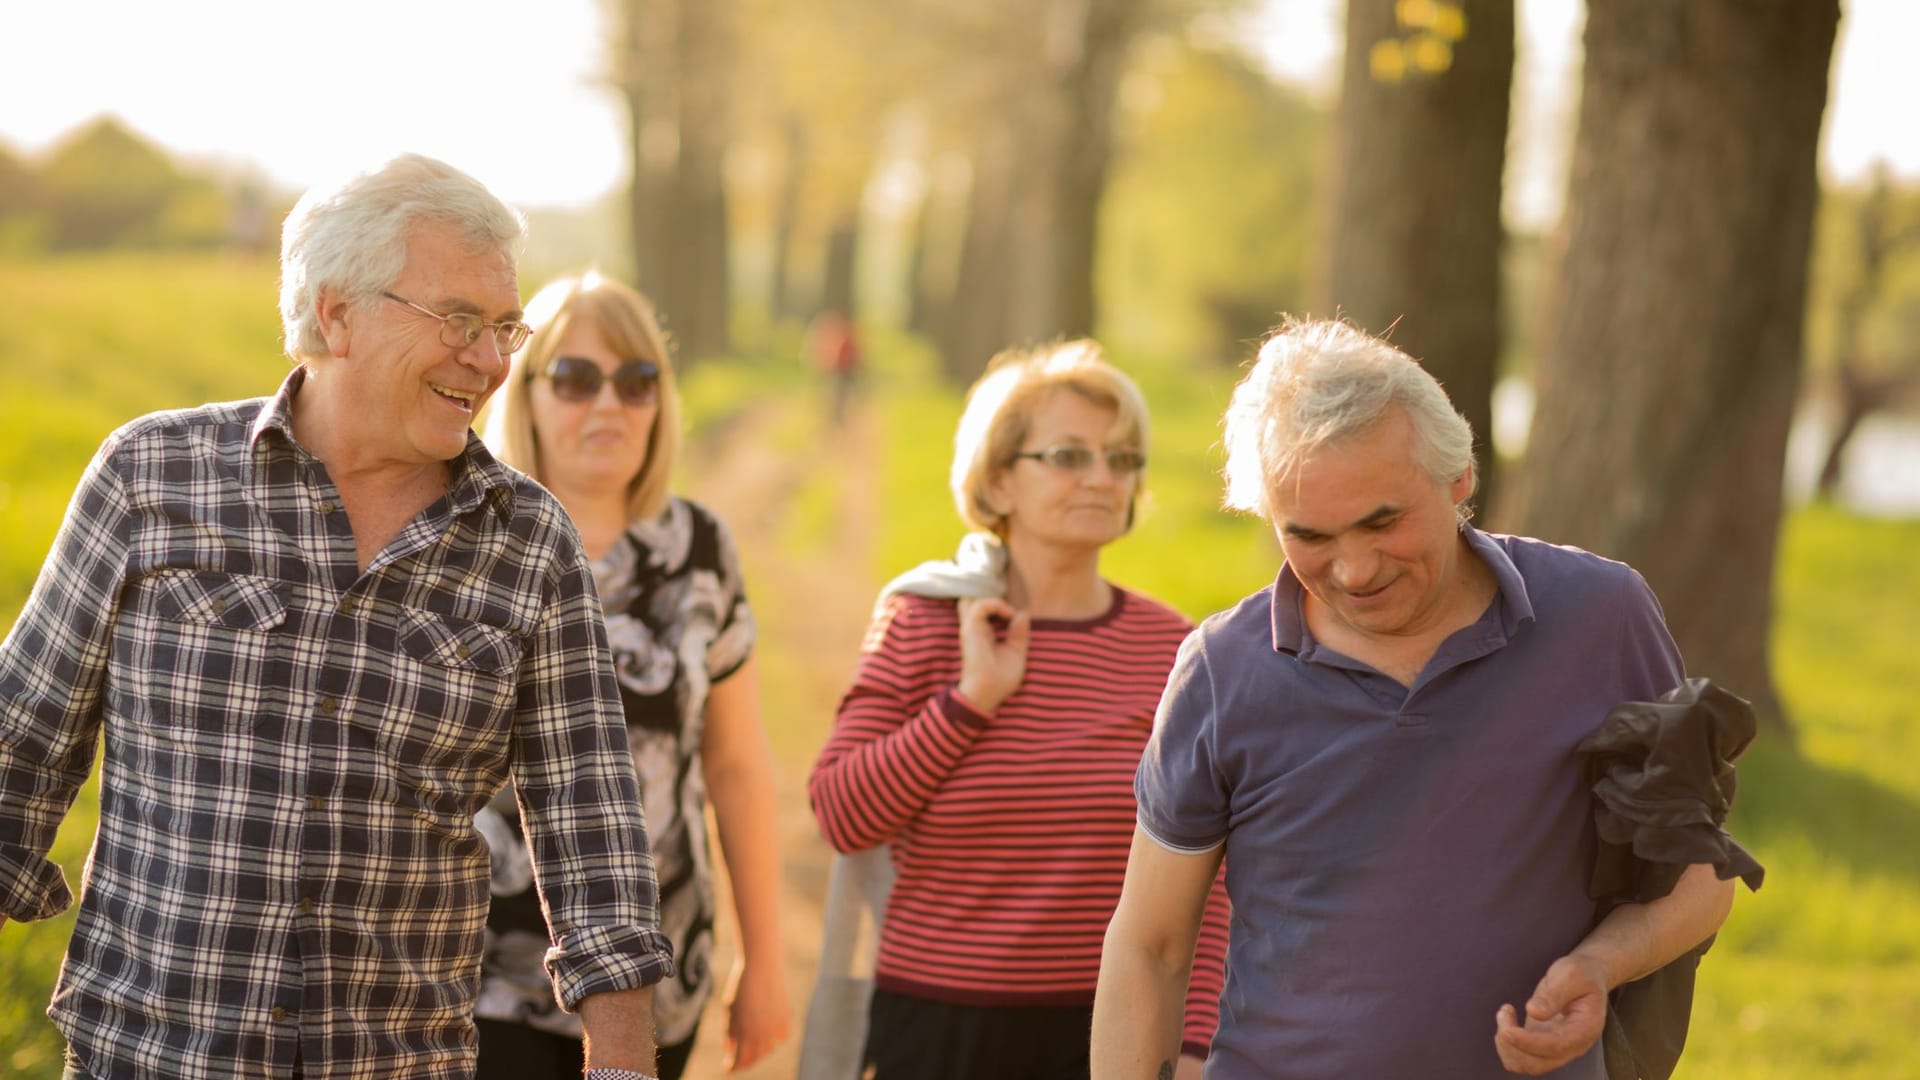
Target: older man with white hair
{"type": "Point", "coordinates": [1382, 747]}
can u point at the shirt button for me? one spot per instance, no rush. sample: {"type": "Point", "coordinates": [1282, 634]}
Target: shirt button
{"type": "Point", "coordinates": [277, 1013]}
{"type": "Point", "coordinates": [328, 706]}
{"type": "Point", "coordinates": [460, 650]}
{"type": "Point", "coordinates": [219, 605]}
{"type": "Point", "coordinates": [327, 506]}
{"type": "Point", "coordinates": [346, 605]}
{"type": "Point", "coordinates": [306, 903]}
{"type": "Point", "coordinates": [317, 803]}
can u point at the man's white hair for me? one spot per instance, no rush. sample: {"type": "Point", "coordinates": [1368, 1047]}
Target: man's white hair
{"type": "Point", "coordinates": [1316, 382]}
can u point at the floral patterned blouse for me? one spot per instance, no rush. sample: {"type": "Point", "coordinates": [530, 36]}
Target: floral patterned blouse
{"type": "Point", "coordinates": [678, 622]}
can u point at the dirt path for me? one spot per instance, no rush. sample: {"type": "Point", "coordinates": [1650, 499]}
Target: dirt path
{"type": "Point", "coordinates": [812, 606]}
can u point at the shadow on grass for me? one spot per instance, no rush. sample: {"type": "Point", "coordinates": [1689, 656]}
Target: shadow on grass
{"type": "Point", "coordinates": [1872, 830]}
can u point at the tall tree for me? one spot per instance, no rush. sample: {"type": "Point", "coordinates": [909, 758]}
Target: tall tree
{"type": "Point", "coordinates": [674, 63]}
{"type": "Point", "coordinates": [1674, 349]}
{"type": "Point", "coordinates": [1040, 165]}
{"type": "Point", "coordinates": [1412, 236]}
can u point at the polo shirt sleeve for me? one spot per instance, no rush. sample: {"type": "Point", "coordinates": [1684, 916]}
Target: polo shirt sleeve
{"type": "Point", "coordinates": [1183, 802]}
{"type": "Point", "coordinates": [1650, 661]}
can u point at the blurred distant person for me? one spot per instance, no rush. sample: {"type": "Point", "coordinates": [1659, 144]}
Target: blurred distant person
{"type": "Point", "coordinates": [991, 734]}
{"type": "Point", "coordinates": [591, 412]}
{"type": "Point", "coordinates": [1382, 746]}
{"type": "Point", "coordinates": [833, 342]}
{"type": "Point", "coordinates": [318, 631]}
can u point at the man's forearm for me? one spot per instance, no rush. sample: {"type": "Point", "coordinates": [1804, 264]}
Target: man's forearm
{"type": "Point", "coordinates": [1137, 1011]}
{"type": "Point", "coordinates": [1635, 940]}
{"type": "Point", "coordinates": [619, 1030]}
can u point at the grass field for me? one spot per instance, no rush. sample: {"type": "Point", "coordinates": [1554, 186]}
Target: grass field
{"type": "Point", "coordinates": [1817, 975]}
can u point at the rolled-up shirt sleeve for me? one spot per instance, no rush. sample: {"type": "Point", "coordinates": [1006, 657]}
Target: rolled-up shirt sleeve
{"type": "Point", "coordinates": [580, 804]}
{"type": "Point", "coordinates": [52, 668]}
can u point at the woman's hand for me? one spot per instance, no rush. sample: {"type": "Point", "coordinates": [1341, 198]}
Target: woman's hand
{"type": "Point", "coordinates": [758, 1015]}
{"type": "Point", "coordinates": [991, 668]}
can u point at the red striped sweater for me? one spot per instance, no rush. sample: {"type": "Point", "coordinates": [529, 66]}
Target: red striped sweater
{"type": "Point", "coordinates": [1009, 835]}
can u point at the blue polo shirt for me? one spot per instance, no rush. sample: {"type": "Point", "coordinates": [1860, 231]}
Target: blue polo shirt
{"type": "Point", "coordinates": [1401, 861]}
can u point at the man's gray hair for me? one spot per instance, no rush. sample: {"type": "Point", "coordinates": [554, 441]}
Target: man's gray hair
{"type": "Point", "coordinates": [1316, 382]}
{"type": "Point", "coordinates": [352, 236]}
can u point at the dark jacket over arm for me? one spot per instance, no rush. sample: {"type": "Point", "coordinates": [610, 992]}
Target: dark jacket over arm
{"type": "Point", "coordinates": [1663, 782]}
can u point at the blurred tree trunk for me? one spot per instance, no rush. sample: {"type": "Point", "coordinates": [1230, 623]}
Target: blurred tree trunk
{"type": "Point", "coordinates": [780, 302]}
{"type": "Point", "coordinates": [1041, 167]}
{"type": "Point", "coordinates": [1085, 49]}
{"type": "Point", "coordinates": [701, 291]}
{"type": "Point", "coordinates": [923, 308]}
{"type": "Point", "coordinates": [1673, 357]}
{"type": "Point", "coordinates": [675, 59]}
{"type": "Point", "coordinates": [1412, 235]}
{"type": "Point", "coordinates": [1863, 392]}
{"type": "Point", "coordinates": [974, 322]}
{"type": "Point", "coordinates": [837, 288]}
{"type": "Point", "coordinates": [640, 78]}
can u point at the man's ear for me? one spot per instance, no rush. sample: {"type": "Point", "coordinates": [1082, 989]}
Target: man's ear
{"type": "Point", "coordinates": [335, 315]}
{"type": "Point", "coordinates": [1462, 486]}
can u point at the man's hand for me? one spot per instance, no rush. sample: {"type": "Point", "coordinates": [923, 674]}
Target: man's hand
{"type": "Point", "coordinates": [1566, 1014]}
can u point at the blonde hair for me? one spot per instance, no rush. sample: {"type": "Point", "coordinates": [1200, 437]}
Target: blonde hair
{"type": "Point", "coordinates": [626, 321]}
{"type": "Point", "coordinates": [1315, 382]}
{"type": "Point", "coordinates": [999, 414]}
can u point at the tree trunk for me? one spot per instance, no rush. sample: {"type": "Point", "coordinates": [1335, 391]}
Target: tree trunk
{"type": "Point", "coordinates": [1673, 360]}
{"type": "Point", "coordinates": [780, 302]}
{"type": "Point", "coordinates": [639, 62]}
{"type": "Point", "coordinates": [837, 284]}
{"type": "Point", "coordinates": [974, 320]}
{"type": "Point", "coordinates": [923, 307]}
{"type": "Point", "coordinates": [1861, 393]}
{"type": "Point", "coordinates": [701, 286]}
{"type": "Point", "coordinates": [1066, 132]}
{"type": "Point", "coordinates": [1412, 236]}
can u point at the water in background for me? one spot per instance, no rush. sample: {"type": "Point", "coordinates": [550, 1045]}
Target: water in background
{"type": "Point", "coordinates": [1881, 474]}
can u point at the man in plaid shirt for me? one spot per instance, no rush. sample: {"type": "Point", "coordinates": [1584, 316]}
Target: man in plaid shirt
{"type": "Point", "coordinates": [317, 631]}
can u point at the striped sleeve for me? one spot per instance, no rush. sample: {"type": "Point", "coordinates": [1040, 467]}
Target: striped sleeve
{"type": "Point", "coordinates": [900, 729]}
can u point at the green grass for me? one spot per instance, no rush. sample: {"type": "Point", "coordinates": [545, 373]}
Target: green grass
{"type": "Point", "coordinates": [1817, 975]}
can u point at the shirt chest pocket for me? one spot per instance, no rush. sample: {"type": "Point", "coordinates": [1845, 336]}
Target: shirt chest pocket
{"type": "Point", "coordinates": [455, 694]}
{"type": "Point", "coordinates": [197, 651]}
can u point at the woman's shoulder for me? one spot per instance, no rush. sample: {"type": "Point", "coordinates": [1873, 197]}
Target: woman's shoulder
{"type": "Point", "coordinates": [1148, 613]}
{"type": "Point", "coordinates": [684, 535]}
{"type": "Point", "coordinates": [697, 515]}
{"type": "Point", "coordinates": [909, 621]}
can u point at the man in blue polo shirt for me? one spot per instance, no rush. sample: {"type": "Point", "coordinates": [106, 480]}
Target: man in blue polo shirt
{"type": "Point", "coordinates": [1381, 745]}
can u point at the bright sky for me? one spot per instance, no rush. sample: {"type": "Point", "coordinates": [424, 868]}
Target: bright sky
{"type": "Point", "coordinates": [515, 98]}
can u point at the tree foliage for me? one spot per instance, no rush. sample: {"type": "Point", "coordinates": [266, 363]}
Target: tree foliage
{"type": "Point", "coordinates": [1206, 227]}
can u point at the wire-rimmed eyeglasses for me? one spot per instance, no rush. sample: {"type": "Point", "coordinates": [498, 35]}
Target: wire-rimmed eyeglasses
{"type": "Point", "coordinates": [462, 328]}
{"type": "Point", "coordinates": [1070, 457]}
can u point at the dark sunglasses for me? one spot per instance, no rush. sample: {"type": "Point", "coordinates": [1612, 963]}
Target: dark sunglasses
{"type": "Point", "coordinates": [578, 379]}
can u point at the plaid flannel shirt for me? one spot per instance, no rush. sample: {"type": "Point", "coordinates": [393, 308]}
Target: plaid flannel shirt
{"type": "Point", "coordinates": [295, 749]}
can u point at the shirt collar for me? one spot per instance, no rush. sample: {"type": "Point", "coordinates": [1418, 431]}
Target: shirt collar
{"type": "Point", "coordinates": [1513, 607]}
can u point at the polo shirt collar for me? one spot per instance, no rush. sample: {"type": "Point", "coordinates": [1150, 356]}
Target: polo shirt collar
{"type": "Point", "coordinates": [1512, 607]}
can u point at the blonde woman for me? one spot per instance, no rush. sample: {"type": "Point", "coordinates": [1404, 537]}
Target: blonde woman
{"type": "Point", "coordinates": [991, 735]}
{"type": "Point", "coordinates": [590, 411]}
